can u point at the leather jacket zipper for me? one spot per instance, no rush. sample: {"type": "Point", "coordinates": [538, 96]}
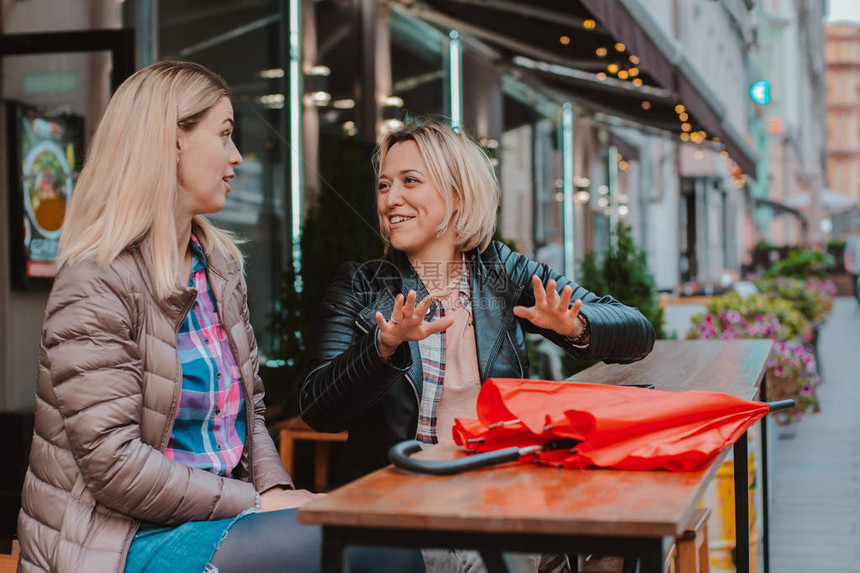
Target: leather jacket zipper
{"type": "Point", "coordinates": [516, 355]}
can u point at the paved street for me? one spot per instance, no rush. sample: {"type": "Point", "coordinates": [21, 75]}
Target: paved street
{"type": "Point", "coordinates": [815, 519]}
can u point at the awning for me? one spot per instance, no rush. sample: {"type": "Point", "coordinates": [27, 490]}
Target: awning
{"type": "Point", "coordinates": [831, 201]}
{"type": "Point", "coordinates": [781, 208]}
{"type": "Point", "coordinates": [592, 51]}
{"type": "Point", "coordinates": [624, 147]}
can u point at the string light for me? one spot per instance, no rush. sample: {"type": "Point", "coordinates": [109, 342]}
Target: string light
{"type": "Point", "coordinates": [685, 137]}
{"type": "Point", "coordinates": [565, 40]}
{"type": "Point", "coordinates": [622, 74]}
{"type": "Point", "coordinates": [634, 60]}
{"type": "Point", "coordinates": [646, 105]}
{"type": "Point", "coordinates": [601, 76]}
{"type": "Point", "coordinates": [601, 52]}
{"type": "Point", "coordinates": [680, 108]}
{"type": "Point", "coordinates": [637, 82]}
{"type": "Point", "coordinates": [589, 24]}
{"type": "Point", "coordinates": [683, 116]}
{"type": "Point", "coordinates": [613, 68]}
{"type": "Point", "coordinates": [686, 127]}
{"type": "Point", "coordinates": [620, 47]}
{"type": "Point", "coordinates": [633, 72]}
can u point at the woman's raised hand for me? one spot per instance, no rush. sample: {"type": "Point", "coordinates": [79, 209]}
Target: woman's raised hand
{"type": "Point", "coordinates": [551, 311]}
{"type": "Point", "coordinates": [407, 323]}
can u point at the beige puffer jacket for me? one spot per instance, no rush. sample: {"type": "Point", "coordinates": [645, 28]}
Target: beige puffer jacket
{"type": "Point", "coordinates": [107, 392]}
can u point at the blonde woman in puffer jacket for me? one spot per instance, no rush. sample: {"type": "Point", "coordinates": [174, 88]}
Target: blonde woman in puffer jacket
{"type": "Point", "coordinates": [150, 451]}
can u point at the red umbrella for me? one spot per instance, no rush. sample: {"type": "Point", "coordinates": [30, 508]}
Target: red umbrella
{"type": "Point", "coordinates": [574, 425]}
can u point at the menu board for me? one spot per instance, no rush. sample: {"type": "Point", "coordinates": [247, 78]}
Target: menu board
{"type": "Point", "coordinates": [46, 154]}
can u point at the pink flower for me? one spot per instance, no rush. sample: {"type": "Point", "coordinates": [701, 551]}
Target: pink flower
{"type": "Point", "coordinates": [733, 316]}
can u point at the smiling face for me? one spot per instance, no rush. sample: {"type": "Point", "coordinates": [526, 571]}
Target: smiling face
{"type": "Point", "coordinates": [207, 156]}
{"type": "Point", "coordinates": [411, 208]}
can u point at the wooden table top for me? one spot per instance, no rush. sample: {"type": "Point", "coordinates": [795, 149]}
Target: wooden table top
{"type": "Point", "coordinates": [521, 498]}
{"type": "Point", "coordinates": [735, 367]}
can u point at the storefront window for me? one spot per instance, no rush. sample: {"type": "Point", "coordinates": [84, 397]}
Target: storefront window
{"type": "Point", "coordinates": [244, 42]}
{"type": "Point", "coordinates": [418, 68]}
{"type": "Point", "coordinates": [338, 52]}
{"type": "Point", "coordinates": [531, 173]}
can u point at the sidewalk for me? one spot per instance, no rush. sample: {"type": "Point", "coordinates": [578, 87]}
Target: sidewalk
{"type": "Point", "coordinates": [815, 513]}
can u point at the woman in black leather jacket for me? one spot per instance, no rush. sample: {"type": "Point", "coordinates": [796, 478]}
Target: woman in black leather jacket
{"type": "Point", "coordinates": [403, 342]}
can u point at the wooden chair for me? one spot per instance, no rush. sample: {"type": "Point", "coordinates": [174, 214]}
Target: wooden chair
{"type": "Point", "coordinates": [296, 429]}
{"type": "Point", "coordinates": [9, 563]}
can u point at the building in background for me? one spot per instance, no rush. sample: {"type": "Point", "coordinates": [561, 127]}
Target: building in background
{"type": "Point", "coordinates": [842, 54]}
{"type": "Point", "coordinates": [792, 185]}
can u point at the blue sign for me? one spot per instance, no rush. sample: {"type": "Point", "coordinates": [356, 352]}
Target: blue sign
{"type": "Point", "coordinates": [760, 92]}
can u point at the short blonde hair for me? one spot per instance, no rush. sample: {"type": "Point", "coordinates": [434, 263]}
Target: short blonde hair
{"type": "Point", "coordinates": [127, 190]}
{"type": "Point", "coordinates": [460, 171]}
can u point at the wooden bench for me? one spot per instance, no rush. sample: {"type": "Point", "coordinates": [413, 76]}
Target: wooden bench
{"type": "Point", "coordinates": [296, 429]}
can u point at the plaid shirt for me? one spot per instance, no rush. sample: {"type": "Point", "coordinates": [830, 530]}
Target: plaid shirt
{"type": "Point", "coordinates": [209, 430]}
{"type": "Point", "coordinates": [432, 350]}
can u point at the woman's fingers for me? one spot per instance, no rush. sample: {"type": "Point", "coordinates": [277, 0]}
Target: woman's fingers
{"type": "Point", "coordinates": [552, 310]}
{"type": "Point", "coordinates": [397, 310]}
{"type": "Point", "coordinates": [574, 310]}
{"type": "Point", "coordinates": [540, 293]}
{"type": "Point", "coordinates": [380, 320]}
{"type": "Point", "coordinates": [437, 326]}
{"type": "Point", "coordinates": [566, 295]}
{"type": "Point", "coordinates": [527, 312]}
{"type": "Point", "coordinates": [551, 293]}
{"type": "Point", "coordinates": [409, 305]}
{"type": "Point", "coordinates": [407, 320]}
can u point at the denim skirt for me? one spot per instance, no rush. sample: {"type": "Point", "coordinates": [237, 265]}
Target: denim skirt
{"type": "Point", "coordinates": [188, 547]}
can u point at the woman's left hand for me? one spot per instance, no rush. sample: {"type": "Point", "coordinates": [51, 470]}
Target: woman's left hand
{"type": "Point", "coordinates": [551, 311]}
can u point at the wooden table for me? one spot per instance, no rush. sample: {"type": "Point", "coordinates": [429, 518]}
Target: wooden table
{"type": "Point", "coordinates": [518, 507]}
{"type": "Point", "coordinates": [735, 367]}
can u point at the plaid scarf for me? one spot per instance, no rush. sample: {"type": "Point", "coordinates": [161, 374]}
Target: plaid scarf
{"type": "Point", "coordinates": [432, 350]}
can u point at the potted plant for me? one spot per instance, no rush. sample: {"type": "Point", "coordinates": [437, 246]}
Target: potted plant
{"type": "Point", "coordinates": [623, 273]}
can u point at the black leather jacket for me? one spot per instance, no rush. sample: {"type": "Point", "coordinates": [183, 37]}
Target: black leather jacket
{"type": "Point", "coordinates": [350, 386]}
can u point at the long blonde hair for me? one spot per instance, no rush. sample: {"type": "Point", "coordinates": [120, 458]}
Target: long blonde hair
{"type": "Point", "coordinates": [460, 171]}
{"type": "Point", "coordinates": [127, 189]}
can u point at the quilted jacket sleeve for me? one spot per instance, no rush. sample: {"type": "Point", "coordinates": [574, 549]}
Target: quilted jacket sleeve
{"type": "Point", "coordinates": [619, 333]}
{"type": "Point", "coordinates": [347, 374]}
{"type": "Point", "coordinates": [268, 471]}
{"type": "Point", "coordinates": [96, 372]}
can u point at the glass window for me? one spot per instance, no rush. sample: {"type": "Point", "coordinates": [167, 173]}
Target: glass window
{"type": "Point", "coordinates": [531, 173]}
{"type": "Point", "coordinates": [419, 54]}
{"type": "Point", "coordinates": [244, 42]}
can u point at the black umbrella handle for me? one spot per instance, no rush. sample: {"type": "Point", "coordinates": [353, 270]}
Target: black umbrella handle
{"type": "Point", "coordinates": [399, 456]}
{"type": "Point", "coordinates": [780, 405]}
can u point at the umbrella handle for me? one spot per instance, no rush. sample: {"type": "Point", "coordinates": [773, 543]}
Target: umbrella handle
{"type": "Point", "coordinates": [399, 456]}
{"type": "Point", "coordinates": [780, 405]}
